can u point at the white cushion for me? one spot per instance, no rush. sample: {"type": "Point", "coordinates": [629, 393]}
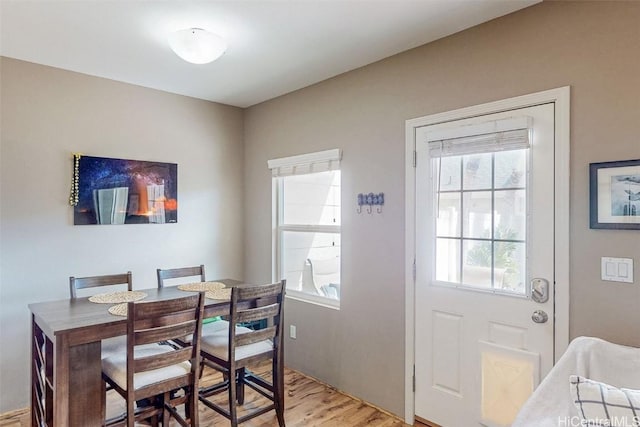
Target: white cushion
{"type": "Point", "coordinates": [601, 404]}
{"type": "Point", "coordinates": [218, 325]}
{"type": "Point", "coordinates": [115, 367]}
{"type": "Point", "coordinates": [117, 345]}
{"type": "Point", "coordinates": [217, 344]}
{"type": "Point", "coordinates": [210, 328]}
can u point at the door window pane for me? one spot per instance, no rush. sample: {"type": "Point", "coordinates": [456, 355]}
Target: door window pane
{"type": "Point", "coordinates": [448, 260]}
{"type": "Point", "coordinates": [477, 214]}
{"type": "Point", "coordinates": [477, 172]}
{"type": "Point", "coordinates": [450, 174]}
{"type": "Point", "coordinates": [510, 169]}
{"type": "Point", "coordinates": [510, 215]}
{"type": "Point", "coordinates": [510, 266]}
{"type": "Point", "coordinates": [449, 215]}
{"type": "Point", "coordinates": [476, 270]}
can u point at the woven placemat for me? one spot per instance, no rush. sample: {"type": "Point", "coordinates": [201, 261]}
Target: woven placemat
{"type": "Point", "coordinates": [117, 297]}
{"type": "Point", "coordinates": [119, 310]}
{"type": "Point", "coordinates": [201, 286]}
{"type": "Point", "coordinates": [219, 294]}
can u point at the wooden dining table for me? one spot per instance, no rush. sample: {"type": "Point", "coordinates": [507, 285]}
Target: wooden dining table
{"type": "Point", "coordinates": [66, 368]}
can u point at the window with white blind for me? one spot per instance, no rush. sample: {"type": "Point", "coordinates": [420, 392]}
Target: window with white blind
{"type": "Point", "coordinates": [480, 201]}
{"type": "Point", "coordinates": [306, 202]}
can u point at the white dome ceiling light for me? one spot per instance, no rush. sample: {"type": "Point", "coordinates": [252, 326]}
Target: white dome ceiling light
{"type": "Point", "coordinates": [197, 46]}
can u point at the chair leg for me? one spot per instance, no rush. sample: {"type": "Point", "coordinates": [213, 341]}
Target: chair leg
{"type": "Point", "coordinates": [233, 409]}
{"type": "Point", "coordinates": [166, 400]}
{"type": "Point", "coordinates": [131, 413]}
{"type": "Point", "coordinates": [103, 415]}
{"type": "Point", "coordinates": [187, 402]}
{"type": "Point", "coordinates": [192, 411]}
{"type": "Point", "coordinates": [240, 385]}
{"type": "Point", "coordinates": [202, 366]}
{"type": "Point", "coordinates": [278, 391]}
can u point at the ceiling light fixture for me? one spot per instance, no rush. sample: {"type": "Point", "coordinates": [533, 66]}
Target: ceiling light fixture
{"type": "Point", "coordinates": [197, 46]}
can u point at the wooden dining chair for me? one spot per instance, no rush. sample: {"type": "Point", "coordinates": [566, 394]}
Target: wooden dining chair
{"type": "Point", "coordinates": [210, 325]}
{"type": "Point", "coordinates": [232, 351]}
{"type": "Point", "coordinates": [76, 283]}
{"type": "Point", "coordinates": [115, 344]}
{"type": "Point", "coordinates": [175, 273]}
{"type": "Point", "coordinates": [159, 374]}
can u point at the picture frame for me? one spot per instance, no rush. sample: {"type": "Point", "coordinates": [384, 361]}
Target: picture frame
{"type": "Point", "coordinates": [123, 191]}
{"type": "Point", "coordinates": [615, 195]}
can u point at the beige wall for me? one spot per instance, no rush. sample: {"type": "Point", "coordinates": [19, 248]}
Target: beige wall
{"type": "Point", "coordinates": [591, 46]}
{"type": "Point", "coordinates": [48, 113]}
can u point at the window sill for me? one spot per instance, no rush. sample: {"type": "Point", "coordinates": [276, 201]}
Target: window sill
{"type": "Point", "coordinates": [313, 299]}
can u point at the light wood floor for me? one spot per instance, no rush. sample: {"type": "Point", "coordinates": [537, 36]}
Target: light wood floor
{"type": "Point", "coordinates": [308, 403]}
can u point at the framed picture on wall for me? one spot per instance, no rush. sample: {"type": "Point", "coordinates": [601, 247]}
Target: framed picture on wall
{"type": "Point", "coordinates": [615, 195]}
{"type": "Point", "coordinates": [121, 191]}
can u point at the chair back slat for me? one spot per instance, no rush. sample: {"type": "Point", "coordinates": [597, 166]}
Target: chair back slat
{"type": "Point", "coordinates": [255, 292]}
{"type": "Point", "coordinates": [174, 309]}
{"type": "Point", "coordinates": [259, 313]}
{"type": "Point", "coordinates": [169, 319]}
{"type": "Point", "coordinates": [158, 361]}
{"type": "Point", "coordinates": [164, 333]}
{"type": "Point", "coordinates": [76, 283]}
{"type": "Point", "coordinates": [255, 336]}
{"type": "Point", "coordinates": [175, 273]}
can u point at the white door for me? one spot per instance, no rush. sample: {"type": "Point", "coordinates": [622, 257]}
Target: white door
{"type": "Point", "coordinates": [484, 245]}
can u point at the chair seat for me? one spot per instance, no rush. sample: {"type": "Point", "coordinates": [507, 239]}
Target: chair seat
{"type": "Point", "coordinates": [112, 346]}
{"type": "Point", "coordinates": [118, 345]}
{"type": "Point", "coordinates": [211, 328]}
{"type": "Point", "coordinates": [115, 367]}
{"type": "Point", "coordinates": [217, 344]}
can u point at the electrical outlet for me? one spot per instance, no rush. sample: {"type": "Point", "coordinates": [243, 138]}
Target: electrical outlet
{"type": "Point", "coordinates": [292, 332]}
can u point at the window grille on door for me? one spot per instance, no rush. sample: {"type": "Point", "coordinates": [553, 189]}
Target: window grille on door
{"type": "Point", "coordinates": [480, 192]}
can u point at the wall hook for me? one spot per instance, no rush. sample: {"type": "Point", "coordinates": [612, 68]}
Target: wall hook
{"type": "Point", "coordinates": [369, 200]}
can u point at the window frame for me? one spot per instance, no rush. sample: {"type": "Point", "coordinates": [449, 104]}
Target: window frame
{"type": "Point", "coordinates": [279, 227]}
{"type": "Point", "coordinates": [434, 234]}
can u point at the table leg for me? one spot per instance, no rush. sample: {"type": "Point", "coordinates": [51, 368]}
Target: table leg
{"type": "Point", "coordinates": [61, 381]}
{"type": "Point", "coordinates": [41, 392]}
{"type": "Point", "coordinates": [86, 400]}
{"type": "Point", "coordinates": [78, 384]}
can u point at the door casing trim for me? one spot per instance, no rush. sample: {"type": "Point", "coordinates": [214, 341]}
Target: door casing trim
{"type": "Point", "coordinates": [561, 98]}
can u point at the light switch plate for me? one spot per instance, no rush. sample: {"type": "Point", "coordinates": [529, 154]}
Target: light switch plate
{"type": "Point", "coordinates": [617, 269]}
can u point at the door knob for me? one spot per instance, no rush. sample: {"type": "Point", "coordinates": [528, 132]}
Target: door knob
{"type": "Point", "coordinates": [539, 316]}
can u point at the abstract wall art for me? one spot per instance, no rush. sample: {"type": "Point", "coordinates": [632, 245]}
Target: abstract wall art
{"type": "Point", "coordinates": [119, 191]}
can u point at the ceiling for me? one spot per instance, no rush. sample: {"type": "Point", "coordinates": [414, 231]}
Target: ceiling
{"type": "Point", "coordinates": [275, 47]}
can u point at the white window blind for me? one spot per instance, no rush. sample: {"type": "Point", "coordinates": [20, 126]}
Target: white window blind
{"type": "Point", "coordinates": [321, 161]}
{"type": "Point", "coordinates": [499, 135]}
